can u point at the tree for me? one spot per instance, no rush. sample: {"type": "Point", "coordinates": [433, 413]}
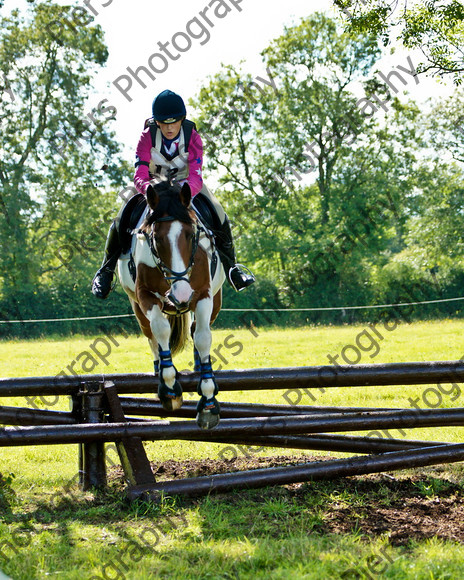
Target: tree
{"type": "Point", "coordinates": [304, 164]}
{"type": "Point", "coordinates": [436, 229]}
{"type": "Point", "coordinates": [53, 147]}
{"type": "Point", "coordinates": [261, 143]}
{"type": "Point", "coordinates": [436, 27]}
{"type": "Point", "coordinates": [447, 126]}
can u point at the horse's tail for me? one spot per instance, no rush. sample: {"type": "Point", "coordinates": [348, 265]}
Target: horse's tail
{"type": "Point", "coordinates": [180, 332]}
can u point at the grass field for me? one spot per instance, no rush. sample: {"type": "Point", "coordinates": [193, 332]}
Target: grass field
{"type": "Point", "coordinates": [353, 528]}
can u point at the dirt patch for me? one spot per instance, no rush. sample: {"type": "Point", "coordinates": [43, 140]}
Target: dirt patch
{"type": "Point", "coordinates": [172, 469]}
{"type": "Point", "coordinates": [403, 509]}
{"type": "Point", "coordinates": [427, 504]}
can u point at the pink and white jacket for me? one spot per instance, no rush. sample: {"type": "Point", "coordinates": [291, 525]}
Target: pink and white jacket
{"type": "Point", "coordinates": [169, 155]}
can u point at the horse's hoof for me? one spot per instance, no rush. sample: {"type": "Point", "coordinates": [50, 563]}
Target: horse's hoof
{"type": "Point", "coordinates": [207, 420]}
{"type": "Point", "coordinates": [171, 399]}
{"type": "Point", "coordinates": [171, 403]}
{"type": "Point", "coordinates": [208, 413]}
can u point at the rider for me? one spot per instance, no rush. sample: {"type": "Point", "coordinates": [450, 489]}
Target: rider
{"type": "Point", "coordinates": [170, 146]}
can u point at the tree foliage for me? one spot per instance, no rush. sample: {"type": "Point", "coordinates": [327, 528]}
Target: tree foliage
{"type": "Point", "coordinates": [435, 27]}
{"type": "Point", "coordinates": [324, 171]}
{"type": "Point", "coordinates": [52, 151]}
{"type": "Point", "coordinates": [300, 161]}
{"type": "Point", "coordinates": [259, 139]}
{"type": "Point", "coordinates": [339, 192]}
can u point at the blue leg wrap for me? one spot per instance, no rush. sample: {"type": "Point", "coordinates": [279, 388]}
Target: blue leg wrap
{"type": "Point", "coordinates": [207, 370]}
{"type": "Point", "coordinates": [197, 360]}
{"type": "Point", "coordinates": [163, 390]}
{"type": "Point", "coordinates": [165, 359]}
{"type": "Point", "coordinates": [207, 373]}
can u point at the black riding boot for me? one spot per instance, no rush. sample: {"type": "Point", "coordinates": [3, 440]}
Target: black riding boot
{"type": "Point", "coordinates": [101, 285]}
{"type": "Point", "coordinates": [238, 275]}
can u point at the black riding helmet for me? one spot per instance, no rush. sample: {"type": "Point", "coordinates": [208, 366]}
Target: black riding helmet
{"type": "Point", "coordinates": [168, 107]}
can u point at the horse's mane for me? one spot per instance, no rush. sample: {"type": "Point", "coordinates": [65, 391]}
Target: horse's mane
{"type": "Point", "coordinates": [169, 204]}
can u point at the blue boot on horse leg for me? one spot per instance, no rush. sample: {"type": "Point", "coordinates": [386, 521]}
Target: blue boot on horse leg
{"type": "Point", "coordinates": [208, 408]}
{"type": "Point", "coordinates": [196, 361]}
{"type": "Point", "coordinates": [169, 389]}
{"type": "Point", "coordinates": [162, 343]}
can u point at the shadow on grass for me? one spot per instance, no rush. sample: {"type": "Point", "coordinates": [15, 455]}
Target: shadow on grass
{"type": "Point", "coordinates": [97, 526]}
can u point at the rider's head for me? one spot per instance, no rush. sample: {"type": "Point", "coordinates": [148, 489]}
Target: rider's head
{"type": "Point", "coordinates": [169, 112]}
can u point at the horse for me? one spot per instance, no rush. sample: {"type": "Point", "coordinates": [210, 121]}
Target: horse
{"type": "Point", "coordinates": [177, 292]}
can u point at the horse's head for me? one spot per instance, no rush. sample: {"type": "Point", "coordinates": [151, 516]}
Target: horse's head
{"type": "Point", "coordinates": [174, 238]}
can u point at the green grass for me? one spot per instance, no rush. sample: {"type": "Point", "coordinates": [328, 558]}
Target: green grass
{"type": "Point", "coordinates": [51, 529]}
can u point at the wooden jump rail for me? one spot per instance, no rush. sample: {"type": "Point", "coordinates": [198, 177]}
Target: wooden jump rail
{"type": "Point", "coordinates": [414, 373]}
{"type": "Point", "coordinates": [100, 415]}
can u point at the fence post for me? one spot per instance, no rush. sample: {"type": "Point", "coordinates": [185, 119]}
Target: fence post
{"type": "Point", "coordinates": [131, 451]}
{"type": "Point", "coordinates": [92, 465]}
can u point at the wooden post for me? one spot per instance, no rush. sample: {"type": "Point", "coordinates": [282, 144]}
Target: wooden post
{"type": "Point", "coordinates": [92, 466]}
{"type": "Point", "coordinates": [131, 451]}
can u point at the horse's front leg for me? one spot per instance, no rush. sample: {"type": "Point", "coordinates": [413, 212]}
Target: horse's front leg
{"type": "Point", "coordinates": [208, 407]}
{"type": "Point", "coordinates": [145, 326]}
{"type": "Point", "coordinates": [169, 389]}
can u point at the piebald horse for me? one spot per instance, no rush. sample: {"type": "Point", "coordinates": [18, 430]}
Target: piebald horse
{"type": "Point", "coordinates": [174, 278]}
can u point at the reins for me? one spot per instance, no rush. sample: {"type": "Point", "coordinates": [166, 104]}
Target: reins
{"type": "Point", "coordinates": [170, 275]}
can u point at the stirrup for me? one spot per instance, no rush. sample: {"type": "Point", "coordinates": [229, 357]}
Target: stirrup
{"type": "Point", "coordinates": [241, 269]}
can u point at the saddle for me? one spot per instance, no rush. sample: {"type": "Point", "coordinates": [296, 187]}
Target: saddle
{"type": "Point", "coordinates": [130, 218]}
{"type": "Point", "coordinates": [211, 224]}
{"type": "Point", "coordinates": [206, 212]}
{"type": "Point", "coordinates": [136, 209]}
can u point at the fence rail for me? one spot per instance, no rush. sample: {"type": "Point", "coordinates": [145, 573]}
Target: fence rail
{"type": "Point", "coordinates": [100, 415]}
{"type": "Point", "coordinates": [327, 376]}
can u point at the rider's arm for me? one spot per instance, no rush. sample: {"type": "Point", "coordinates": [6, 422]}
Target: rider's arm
{"type": "Point", "coordinates": [143, 157]}
{"type": "Point", "coordinates": [195, 162]}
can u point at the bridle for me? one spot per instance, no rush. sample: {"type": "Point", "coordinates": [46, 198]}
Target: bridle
{"type": "Point", "coordinates": [171, 276]}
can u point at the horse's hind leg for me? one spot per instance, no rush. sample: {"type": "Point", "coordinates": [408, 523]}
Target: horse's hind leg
{"type": "Point", "coordinates": [208, 407]}
{"type": "Point", "coordinates": [196, 354]}
{"type": "Point", "coordinates": [154, 349]}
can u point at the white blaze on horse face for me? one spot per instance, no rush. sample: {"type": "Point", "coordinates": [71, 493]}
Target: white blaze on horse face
{"type": "Point", "coordinates": [181, 290]}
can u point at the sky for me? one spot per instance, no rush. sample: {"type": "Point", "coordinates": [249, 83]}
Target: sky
{"type": "Point", "coordinates": [134, 28]}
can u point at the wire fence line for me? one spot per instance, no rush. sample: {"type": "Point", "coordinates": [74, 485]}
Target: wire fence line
{"type": "Point", "coordinates": [317, 309]}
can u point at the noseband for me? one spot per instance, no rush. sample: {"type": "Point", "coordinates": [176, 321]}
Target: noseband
{"type": "Point", "coordinates": [170, 275]}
